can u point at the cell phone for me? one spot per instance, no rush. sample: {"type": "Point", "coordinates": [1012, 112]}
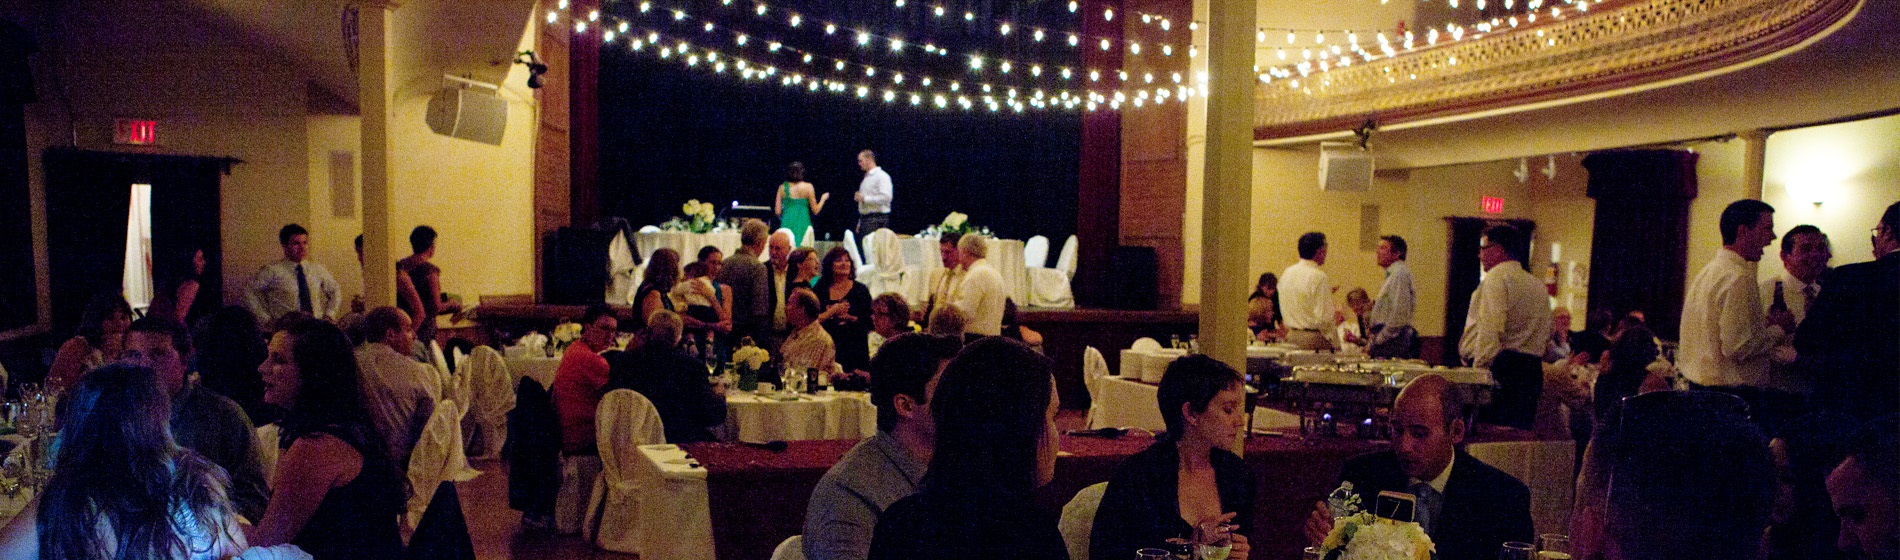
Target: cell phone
{"type": "Point", "coordinates": [1397, 506]}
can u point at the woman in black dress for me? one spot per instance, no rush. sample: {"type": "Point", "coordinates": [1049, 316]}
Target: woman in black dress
{"type": "Point", "coordinates": [850, 322]}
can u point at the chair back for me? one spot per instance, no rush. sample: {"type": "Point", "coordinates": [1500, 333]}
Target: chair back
{"type": "Point", "coordinates": [1036, 252]}
{"type": "Point", "coordinates": [1065, 261]}
{"type": "Point", "coordinates": [851, 246]}
{"type": "Point", "coordinates": [438, 457]}
{"type": "Point", "coordinates": [1094, 368]}
{"type": "Point", "coordinates": [809, 240]}
{"type": "Point", "coordinates": [624, 421]}
{"type": "Point", "coordinates": [489, 401]}
{"type": "Point", "coordinates": [792, 548]}
{"type": "Point", "coordinates": [1145, 344]}
{"type": "Point", "coordinates": [1078, 519]}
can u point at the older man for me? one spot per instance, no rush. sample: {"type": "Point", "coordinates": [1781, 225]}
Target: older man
{"type": "Point", "coordinates": [778, 268]}
{"type": "Point", "coordinates": [981, 293]}
{"type": "Point", "coordinates": [1851, 338]}
{"type": "Point", "coordinates": [400, 392]}
{"type": "Point", "coordinates": [201, 420]}
{"type": "Point", "coordinates": [943, 282]}
{"type": "Point", "coordinates": [676, 383]}
{"type": "Point", "coordinates": [1507, 328]}
{"type": "Point", "coordinates": [1469, 508]}
{"type": "Point", "coordinates": [752, 286]}
{"type": "Point", "coordinates": [888, 466]}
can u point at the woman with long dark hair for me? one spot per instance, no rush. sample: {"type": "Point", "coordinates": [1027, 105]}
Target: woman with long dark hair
{"type": "Point", "coordinates": [177, 297]}
{"type": "Point", "coordinates": [995, 409]}
{"type": "Point", "coordinates": [850, 305]}
{"type": "Point", "coordinates": [335, 494]}
{"type": "Point", "coordinates": [1187, 478]}
{"type": "Point", "coordinates": [1624, 370]}
{"type": "Point", "coordinates": [1263, 309]}
{"type": "Point", "coordinates": [122, 488]}
{"type": "Point", "coordinates": [796, 202]}
{"type": "Point", "coordinates": [100, 338]}
{"type": "Point", "coordinates": [656, 287]}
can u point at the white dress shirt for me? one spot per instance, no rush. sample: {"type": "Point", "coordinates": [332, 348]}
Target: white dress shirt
{"type": "Point", "coordinates": [943, 290]}
{"type": "Point", "coordinates": [1791, 292]}
{"type": "Point", "coordinates": [1510, 310]}
{"type": "Point", "coordinates": [273, 291]}
{"type": "Point", "coordinates": [1306, 297]}
{"type": "Point", "coordinates": [1396, 301]}
{"type": "Point", "coordinates": [876, 188]}
{"type": "Point", "coordinates": [400, 393]}
{"type": "Point", "coordinates": [1725, 339]}
{"type": "Point", "coordinates": [981, 296]}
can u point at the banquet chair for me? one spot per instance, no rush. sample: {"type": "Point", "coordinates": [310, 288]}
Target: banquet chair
{"type": "Point", "coordinates": [489, 400]}
{"type": "Point", "coordinates": [623, 269]}
{"type": "Point", "coordinates": [437, 458]}
{"type": "Point", "coordinates": [578, 473]}
{"type": "Point", "coordinates": [1078, 519]}
{"type": "Point", "coordinates": [267, 451]}
{"type": "Point", "coordinates": [793, 548]}
{"type": "Point", "coordinates": [810, 240]}
{"type": "Point", "coordinates": [888, 269]}
{"type": "Point", "coordinates": [625, 421]}
{"type": "Point", "coordinates": [1036, 252]}
{"type": "Point", "coordinates": [1094, 368]}
{"type": "Point", "coordinates": [1065, 261]}
{"type": "Point", "coordinates": [851, 246]}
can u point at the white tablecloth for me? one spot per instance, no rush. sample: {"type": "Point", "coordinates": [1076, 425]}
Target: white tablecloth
{"type": "Point", "coordinates": [1126, 403]}
{"type": "Point", "coordinates": [541, 368]}
{"type": "Point", "coordinates": [1005, 254]}
{"type": "Point", "coordinates": [840, 415]}
{"type": "Point", "coordinates": [685, 242]}
{"type": "Point", "coordinates": [674, 519]}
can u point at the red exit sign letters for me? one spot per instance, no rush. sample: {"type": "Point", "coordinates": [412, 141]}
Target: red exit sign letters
{"type": "Point", "coordinates": [135, 132]}
{"type": "Point", "coordinates": [1491, 205]}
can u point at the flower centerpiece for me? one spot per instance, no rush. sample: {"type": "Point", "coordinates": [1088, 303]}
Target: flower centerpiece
{"type": "Point", "coordinates": [565, 334]}
{"type": "Point", "coordinates": [958, 223]}
{"type": "Point", "coordinates": [1361, 535]}
{"type": "Point", "coordinates": [699, 217]}
{"type": "Point", "coordinates": [748, 359]}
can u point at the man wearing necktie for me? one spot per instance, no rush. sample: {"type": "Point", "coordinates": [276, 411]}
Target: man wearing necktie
{"type": "Point", "coordinates": [1469, 508]}
{"type": "Point", "coordinates": [293, 284]}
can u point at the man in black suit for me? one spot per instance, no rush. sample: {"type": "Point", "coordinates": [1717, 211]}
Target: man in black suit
{"type": "Point", "coordinates": [1850, 341]}
{"type": "Point", "coordinates": [751, 288]}
{"type": "Point", "coordinates": [1469, 508]}
{"type": "Point", "coordinates": [689, 405]}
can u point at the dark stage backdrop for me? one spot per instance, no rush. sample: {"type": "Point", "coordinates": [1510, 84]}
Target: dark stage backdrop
{"type": "Point", "coordinates": [669, 134]}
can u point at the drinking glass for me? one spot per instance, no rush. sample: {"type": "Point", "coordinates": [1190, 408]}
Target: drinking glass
{"type": "Point", "coordinates": [1151, 554]}
{"type": "Point", "coordinates": [1553, 546]}
{"type": "Point", "coordinates": [1310, 553]}
{"type": "Point", "coordinates": [29, 392]}
{"type": "Point", "coordinates": [1516, 551]}
{"type": "Point", "coordinates": [10, 412]}
{"type": "Point", "coordinates": [1213, 541]}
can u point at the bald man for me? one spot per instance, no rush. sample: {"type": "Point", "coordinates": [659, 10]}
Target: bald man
{"type": "Point", "coordinates": [1469, 508]}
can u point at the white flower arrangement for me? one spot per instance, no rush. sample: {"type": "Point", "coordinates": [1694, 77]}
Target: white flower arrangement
{"type": "Point", "coordinates": [956, 222]}
{"type": "Point", "coordinates": [698, 217]}
{"type": "Point", "coordinates": [751, 356]}
{"type": "Point", "coordinates": [565, 334]}
{"type": "Point", "coordinates": [1364, 536]}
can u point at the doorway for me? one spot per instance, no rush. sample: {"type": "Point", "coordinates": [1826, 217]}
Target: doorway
{"type": "Point", "coordinates": [1463, 271]}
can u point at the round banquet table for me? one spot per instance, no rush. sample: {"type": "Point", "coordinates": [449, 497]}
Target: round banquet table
{"type": "Point", "coordinates": [541, 368]}
{"type": "Point", "coordinates": [752, 417]}
{"type": "Point", "coordinates": [686, 243]}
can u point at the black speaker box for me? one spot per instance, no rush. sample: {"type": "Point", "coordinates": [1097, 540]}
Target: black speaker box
{"type": "Point", "coordinates": [575, 267]}
{"type": "Point", "coordinates": [1132, 279]}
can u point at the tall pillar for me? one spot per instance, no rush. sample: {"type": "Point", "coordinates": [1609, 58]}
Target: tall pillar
{"type": "Point", "coordinates": [1098, 204]}
{"type": "Point", "coordinates": [1754, 160]}
{"type": "Point", "coordinates": [1227, 191]}
{"type": "Point", "coordinates": [583, 117]}
{"type": "Point", "coordinates": [373, 83]}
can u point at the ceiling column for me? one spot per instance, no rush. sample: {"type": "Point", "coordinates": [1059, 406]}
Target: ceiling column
{"type": "Point", "coordinates": [1226, 204]}
{"type": "Point", "coordinates": [373, 83]}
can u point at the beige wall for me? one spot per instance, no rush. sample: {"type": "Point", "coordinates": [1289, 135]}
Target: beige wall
{"type": "Point", "coordinates": [326, 134]}
{"type": "Point", "coordinates": [1852, 168]}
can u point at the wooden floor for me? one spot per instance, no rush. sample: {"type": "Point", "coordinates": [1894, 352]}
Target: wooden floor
{"type": "Point", "coordinates": [496, 530]}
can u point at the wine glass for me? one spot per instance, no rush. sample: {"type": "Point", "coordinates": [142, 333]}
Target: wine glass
{"type": "Point", "coordinates": [1152, 554]}
{"type": "Point", "coordinates": [1213, 541]}
{"type": "Point", "coordinates": [1553, 546]}
{"type": "Point", "coordinates": [1516, 551]}
{"type": "Point", "coordinates": [1310, 553]}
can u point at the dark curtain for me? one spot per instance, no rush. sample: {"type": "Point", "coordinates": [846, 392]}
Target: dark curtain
{"type": "Point", "coordinates": [19, 302]}
{"type": "Point", "coordinates": [1639, 259]}
{"type": "Point", "coordinates": [1463, 271]}
{"type": "Point", "coordinates": [88, 195]}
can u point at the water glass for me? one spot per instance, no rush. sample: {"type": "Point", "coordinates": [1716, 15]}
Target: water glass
{"type": "Point", "coordinates": [1152, 554]}
{"type": "Point", "coordinates": [1213, 541]}
{"type": "Point", "coordinates": [1517, 551]}
{"type": "Point", "coordinates": [30, 392]}
{"type": "Point", "coordinates": [1553, 546]}
{"type": "Point", "coordinates": [1310, 553]}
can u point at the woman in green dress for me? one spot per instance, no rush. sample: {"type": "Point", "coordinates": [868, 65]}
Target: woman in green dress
{"type": "Point", "coordinates": [796, 202]}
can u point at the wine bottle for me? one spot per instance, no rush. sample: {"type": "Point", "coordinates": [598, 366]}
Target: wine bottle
{"type": "Point", "coordinates": [1781, 303]}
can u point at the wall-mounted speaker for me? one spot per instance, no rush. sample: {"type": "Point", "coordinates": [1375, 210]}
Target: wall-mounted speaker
{"type": "Point", "coordinates": [469, 113]}
{"type": "Point", "coordinates": [1344, 166]}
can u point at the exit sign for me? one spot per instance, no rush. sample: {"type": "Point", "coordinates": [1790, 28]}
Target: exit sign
{"type": "Point", "coordinates": [1491, 205]}
{"type": "Point", "coordinates": [135, 132]}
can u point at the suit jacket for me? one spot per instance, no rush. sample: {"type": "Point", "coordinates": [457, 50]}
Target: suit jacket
{"type": "Point", "coordinates": [677, 385]}
{"type": "Point", "coordinates": [751, 304]}
{"type": "Point", "coordinates": [1483, 509]}
{"type": "Point", "coordinates": [1850, 341]}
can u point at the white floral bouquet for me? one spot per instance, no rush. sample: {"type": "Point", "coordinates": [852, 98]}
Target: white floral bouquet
{"type": "Point", "coordinates": [751, 357]}
{"type": "Point", "coordinates": [565, 334]}
{"type": "Point", "coordinates": [698, 217]}
{"type": "Point", "coordinates": [1364, 536]}
{"type": "Point", "coordinates": [956, 222]}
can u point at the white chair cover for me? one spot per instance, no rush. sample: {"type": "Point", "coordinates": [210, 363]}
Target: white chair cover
{"type": "Point", "coordinates": [443, 383]}
{"type": "Point", "coordinates": [1094, 368]}
{"type": "Point", "coordinates": [438, 458]}
{"type": "Point", "coordinates": [650, 229]}
{"type": "Point", "coordinates": [622, 270]}
{"type": "Point", "coordinates": [1049, 287]}
{"type": "Point", "coordinates": [625, 421]}
{"type": "Point", "coordinates": [793, 548]}
{"type": "Point", "coordinates": [809, 239]}
{"type": "Point", "coordinates": [1036, 252]}
{"type": "Point", "coordinates": [491, 396]}
{"type": "Point", "coordinates": [851, 246]}
{"type": "Point", "coordinates": [1065, 261]}
{"type": "Point", "coordinates": [868, 246]}
{"type": "Point", "coordinates": [570, 502]}
{"type": "Point", "coordinates": [267, 440]}
{"type": "Point", "coordinates": [889, 266]}
{"type": "Point", "coordinates": [1078, 519]}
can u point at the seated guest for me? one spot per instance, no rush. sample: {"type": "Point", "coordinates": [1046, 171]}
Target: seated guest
{"type": "Point", "coordinates": [201, 420]}
{"type": "Point", "coordinates": [229, 350]}
{"type": "Point", "coordinates": [1865, 489]}
{"type": "Point", "coordinates": [1187, 478]}
{"type": "Point", "coordinates": [1016, 330]}
{"type": "Point", "coordinates": [122, 488]}
{"type": "Point", "coordinates": [337, 495]}
{"type": "Point", "coordinates": [1263, 309]}
{"type": "Point", "coordinates": [890, 317]}
{"type": "Point", "coordinates": [947, 321]}
{"type": "Point", "coordinates": [399, 392]}
{"type": "Point", "coordinates": [98, 342]}
{"type": "Point", "coordinates": [809, 345]}
{"type": "Point", "coordinates": [581, 379]}
{"type": "Point", "coordinates": [659, 370]}
{"type": "Point", "coordinates": [1625, 368]}
{"type": "Point", "coordinates": [708, 302]}
{"type": "Point", "coordinates": [1559, 348]}
{"type": "Point", "coordinates": [1679, 475]}
{"type": "Point", "coordinates": [994, 411]}
{"type": "Point", "coordinates": [1802, 525]}
{"type": "Point", "coordinates": [1353, 331]}
{"type": "Point", "coordinates": [845, 505]}
{"type": "Point", "coordinates": [1470, 509]}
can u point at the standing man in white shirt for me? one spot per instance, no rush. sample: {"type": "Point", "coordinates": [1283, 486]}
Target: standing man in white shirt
{"type": "Point", "coordinates": [980, 295]}
{"type": "Point", "coordinates": [943, 281]}
{"type": "Point", "coordinates": [1393, 335]}
{"type": "Point", "coordinates": [1728, 341]}
{"type": "Point", "coordinates": [1306, 296]}
{"type": "Point", "coordinates": [1805, 252]}
{"type": "Point", "coordinates": [293, 284]}
{"type": "Point", "coordinates": [874, 196]}
{"type": "Point", "coordinates": [1507, 328]}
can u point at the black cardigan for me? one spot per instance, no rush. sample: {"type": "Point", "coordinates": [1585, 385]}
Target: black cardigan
{"type": "Point", "coordinates": [1141, 509]}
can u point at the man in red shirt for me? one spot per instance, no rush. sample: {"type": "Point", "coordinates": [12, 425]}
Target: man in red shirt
{"type": "Point", "coordinates": [581, 379]}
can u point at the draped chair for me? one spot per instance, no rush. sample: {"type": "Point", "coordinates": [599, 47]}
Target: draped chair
{"type": "Point", "coordinates": [625, 421]}
{"type": "Point", "coordinates": [489, 400]}
{"type": "Point", "coordinates": [437, 458]}
{"type": "Point", "coordinates": [1050, 287]}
